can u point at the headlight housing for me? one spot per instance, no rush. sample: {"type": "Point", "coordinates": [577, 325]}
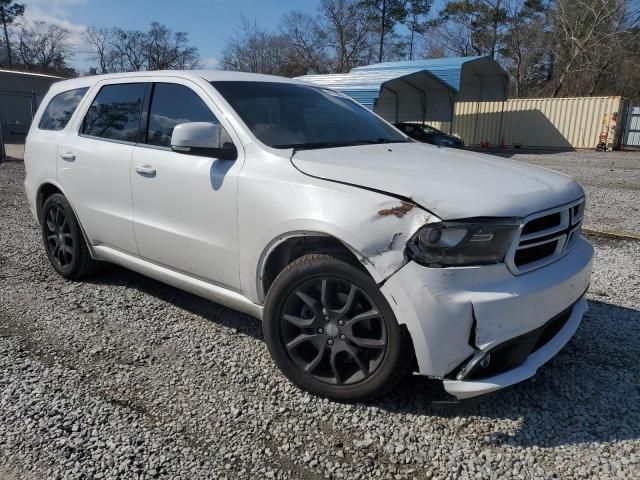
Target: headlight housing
{"type": "Point", "coordinates": [457, 244]}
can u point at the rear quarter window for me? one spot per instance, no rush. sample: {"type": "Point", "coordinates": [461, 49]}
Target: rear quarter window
{"type": "Point", "coordinates": [60, 109]}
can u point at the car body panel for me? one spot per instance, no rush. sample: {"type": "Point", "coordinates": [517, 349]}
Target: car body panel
{"type": "Point", "coordinates": [185, 214]}
{"type": "Point", "coordinates": [277, 201]}
{"type": "Point", "coordinates": [448, 182]}
{"type": "Point", "coordinates": [99, 177]}
{"type": "Point", "coordinates": [465, 389]}
{"type": "Point", "coordinates": [441, 304]}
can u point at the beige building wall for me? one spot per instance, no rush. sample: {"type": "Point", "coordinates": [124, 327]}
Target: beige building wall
{"type": "Point", "coordinates": [538, 122]}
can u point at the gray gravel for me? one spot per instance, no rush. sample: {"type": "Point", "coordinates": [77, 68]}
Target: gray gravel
{"type": "Point", "coordinates": [123, 377]}
{"type": "Point", "coordinates": [611, 181]}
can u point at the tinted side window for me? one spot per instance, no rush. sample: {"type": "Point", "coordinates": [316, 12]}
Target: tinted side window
{"type": "Point", "coordinates": [171, 105]}
{"type": "Point", "coordinates": [60, 109]}
{"type": "Point", "coordinates": [115, 112]}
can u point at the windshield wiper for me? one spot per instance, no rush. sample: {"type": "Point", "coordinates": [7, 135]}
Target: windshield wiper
{"type": "Point", "coordinates": [312, 145]}
{"type": "Point", "coordinates": [375, 141]}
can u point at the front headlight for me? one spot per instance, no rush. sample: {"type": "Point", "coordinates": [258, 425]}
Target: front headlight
{"type": "Point", "coordinates": [455, 244]}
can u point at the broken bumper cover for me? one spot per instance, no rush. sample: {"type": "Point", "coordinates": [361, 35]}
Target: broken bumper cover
{"type": "Point", "coordinates": [463, 389]}
{"type": "Point", "coordinates": [453, 314]}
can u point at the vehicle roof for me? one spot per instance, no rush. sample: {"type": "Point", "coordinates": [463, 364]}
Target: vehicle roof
{"type": "Point", "coordinates": [208, 75]}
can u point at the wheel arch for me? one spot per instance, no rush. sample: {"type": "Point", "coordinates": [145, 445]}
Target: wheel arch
{"type": "Point", "coordinates": [286, 248]}
{"type": "Point", "coordinates": [44, 191]}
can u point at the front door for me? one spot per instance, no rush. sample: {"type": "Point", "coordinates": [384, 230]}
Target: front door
{"type": "Point", "coordinates": [185, 206]}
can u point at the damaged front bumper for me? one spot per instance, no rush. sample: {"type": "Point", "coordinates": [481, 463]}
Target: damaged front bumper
{"type": "Point", "coordinates": [455, 316]}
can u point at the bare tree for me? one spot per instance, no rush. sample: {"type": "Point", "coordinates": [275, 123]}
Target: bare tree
{"type": "Point", "coordinates": [127, 50]}
{"type": "Point", "coordinates": [9, 12]}
{"type": "Point", "coordinates": [589, 34]}
{"type": "Point", "coordinates": [525, 45]}
{"type": "Point", "coordinates": [99, 41]}
{"type": "Point", "coordinates": [167, 50]}
{"type": "Point", "coordinates": [345, 29]}
{"type": "Point", "coordinates": [159, 48]}
{"type": "Point", "coordinates": [308, 47]}
{"type": "Point", "coordinates": [253, 49]}
{"type": "Point", "coordinates": [472, 26]}
{"type": "Point", "coordinates": [43, 47]}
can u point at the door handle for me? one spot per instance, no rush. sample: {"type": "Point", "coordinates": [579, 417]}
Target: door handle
{"type": "Point", "coordinates": [68, 156]}
{"type": "Point", "coordinates": [146, 170]}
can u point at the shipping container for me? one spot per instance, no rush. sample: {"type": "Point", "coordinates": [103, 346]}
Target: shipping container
{"type": "Point", "coordinates": [556, 123]}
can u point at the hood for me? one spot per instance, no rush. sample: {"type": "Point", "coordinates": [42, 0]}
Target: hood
{"type": "Point", "coordinates": [449, 183]}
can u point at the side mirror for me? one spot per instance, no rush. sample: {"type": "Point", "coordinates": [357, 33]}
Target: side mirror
{"type": "Point", "coordinates": [201, 138]}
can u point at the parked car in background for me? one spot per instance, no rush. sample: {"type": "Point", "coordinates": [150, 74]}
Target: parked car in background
{"type": "Point", "coordinates": [428, 134]}
{"type": "Point", "coordinates": [365, 254]}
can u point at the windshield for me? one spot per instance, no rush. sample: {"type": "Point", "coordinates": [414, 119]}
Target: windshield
{"type": "Point", "coordinates": [287, 115]}
{"type": "Point", "coordinates": [430, 129]}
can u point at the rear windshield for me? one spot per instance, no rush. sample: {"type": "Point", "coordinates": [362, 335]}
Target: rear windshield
{"type": "Point", "coordinates": [286, 115]}
{"type": "Point", "coordinates": [60, 109]}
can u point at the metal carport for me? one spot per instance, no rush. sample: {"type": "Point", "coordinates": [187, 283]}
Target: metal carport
{"type": "Point", "coordinates": [420, 90]}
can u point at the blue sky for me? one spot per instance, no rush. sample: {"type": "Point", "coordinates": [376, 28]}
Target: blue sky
{"type": "Point", "coordinates": [209, 23]}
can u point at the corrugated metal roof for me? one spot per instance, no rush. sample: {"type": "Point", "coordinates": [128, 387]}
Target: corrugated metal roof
{"type": "Point", "coordinates": [364, 84]}
{"type": "Point", "coordinates": [28, 74]}
{"type": "Point", "coordinates": [449, 70]}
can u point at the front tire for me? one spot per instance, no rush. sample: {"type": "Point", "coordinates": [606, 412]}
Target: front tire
{"type": "Point", "coordinates": [331, 331]}
{"type": "Point", "coordinates": [63, 239]}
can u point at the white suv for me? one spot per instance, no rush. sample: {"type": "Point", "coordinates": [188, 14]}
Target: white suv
{"type": "Point", "coordinates": [365, 253]}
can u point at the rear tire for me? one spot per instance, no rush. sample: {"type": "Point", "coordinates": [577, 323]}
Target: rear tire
{"type": "Point", "coordinates": [63, 239]}
{"type": "Point", "coordinates": [331, 331]}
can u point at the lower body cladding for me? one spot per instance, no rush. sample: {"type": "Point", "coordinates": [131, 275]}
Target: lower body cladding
{"type": "Point", "coordinates": [481, 328]}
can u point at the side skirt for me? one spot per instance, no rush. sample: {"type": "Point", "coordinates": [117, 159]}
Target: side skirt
{"type": "Point", "coordinates": [204, 289]}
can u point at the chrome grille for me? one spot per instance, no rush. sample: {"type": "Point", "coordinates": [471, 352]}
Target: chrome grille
{"type": "Point", "coordinates": [545, 237]}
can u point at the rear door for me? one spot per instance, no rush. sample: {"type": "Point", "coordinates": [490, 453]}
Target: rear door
{"type": "Point", "coordinates": [51, 127]}
{"type": "Point", "coordinates": [185, 206]}
{"type": "Point", "coordinates": [94, 162]}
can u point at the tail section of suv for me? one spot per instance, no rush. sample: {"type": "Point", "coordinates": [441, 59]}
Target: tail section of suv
{"type": "Point", "coordinates": [364, 253]}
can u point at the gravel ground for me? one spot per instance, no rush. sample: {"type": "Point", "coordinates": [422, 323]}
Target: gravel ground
{"type": "Point", "coordinates": [123, 377]}
{"type": "Point", "coordinates": [611, 180]}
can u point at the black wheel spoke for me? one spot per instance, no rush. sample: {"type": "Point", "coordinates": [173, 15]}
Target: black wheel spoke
{"type": "Point", "coordinates": [59, 218]}
{"type": "Point", "coordinates": [310, 367]}
{"type": "Point", "coordinates": [337, 376]}
{"type": "Point", "coordinates": [368, 342]}
{"type": "Point", "coordinates": [323, 294]}
{"type": "Point", "coordinates": [354, 356]}
{"type": "Point", "coordinates": [368, 315]}
{"type": "Point", "coordinates": [302, 338]}
{"type": "Point", "coordinates": [311, 303]}
{"type": "Point", "coordinates": [349, 303]}
{"type": "Point", "coordinates": [299, 322]}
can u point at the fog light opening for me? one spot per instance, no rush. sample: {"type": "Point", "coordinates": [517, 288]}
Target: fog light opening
{"type": "Point", "coordinates": [484, 363]}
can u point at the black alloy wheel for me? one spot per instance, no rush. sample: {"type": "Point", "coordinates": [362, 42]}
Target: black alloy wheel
{"type": "Point", "coordinates": [59, 241]}
{"type": "Point", "coordinates": [63, 239]}
{"type": "Point", "coordinates": [332, 332]}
